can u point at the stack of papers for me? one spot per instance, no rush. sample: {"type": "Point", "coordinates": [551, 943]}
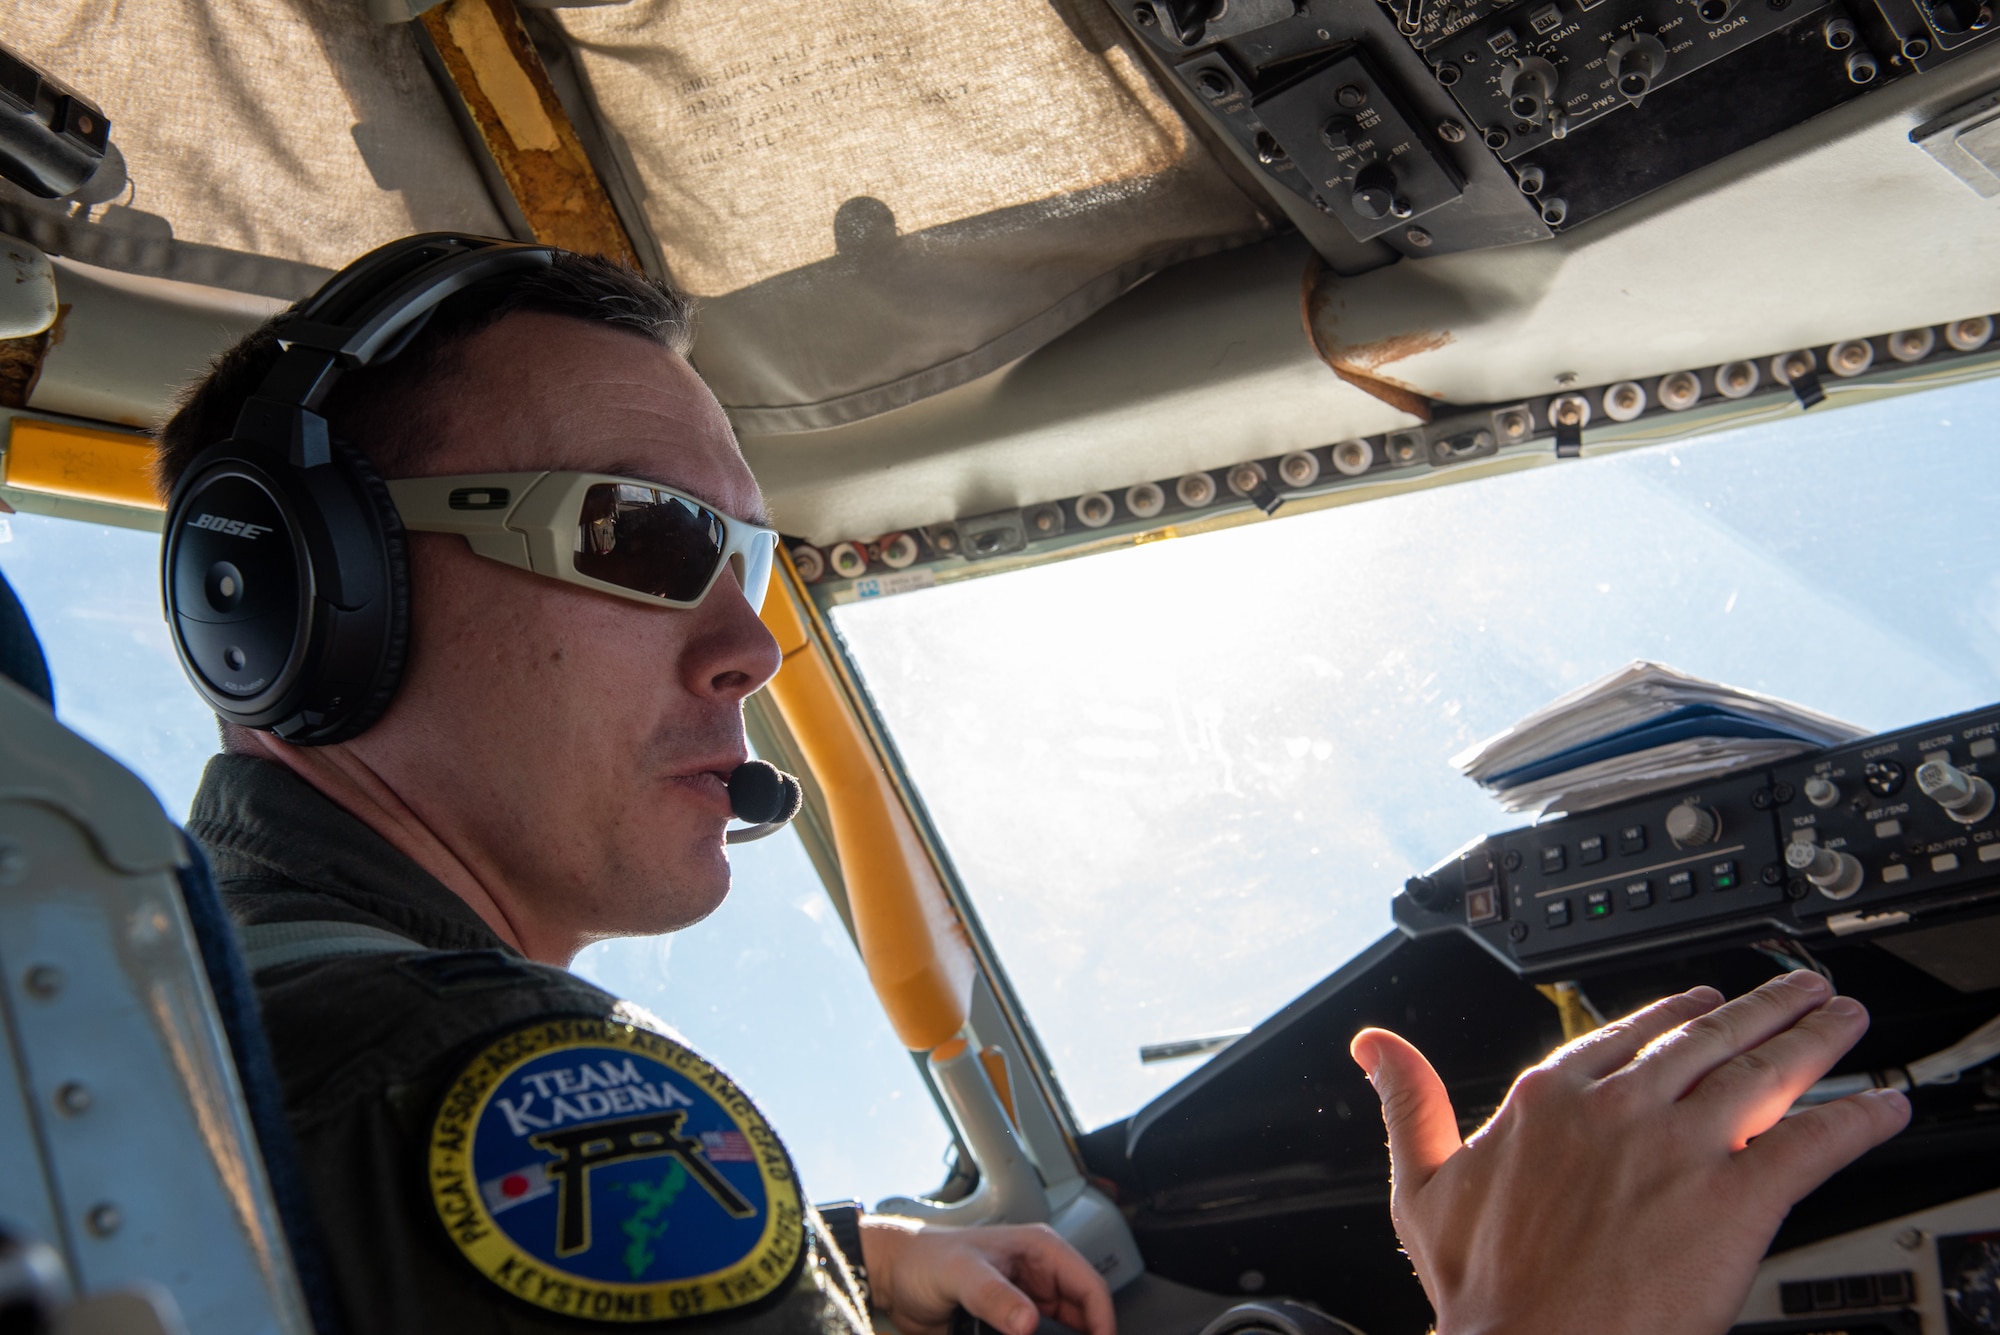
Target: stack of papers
{"type": "Point", "coordinates": [1643, 729]}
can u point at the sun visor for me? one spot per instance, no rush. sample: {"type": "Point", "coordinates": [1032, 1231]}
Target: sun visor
{"type": "Point", "coordinates": [881, 201]}
{"type": "Point", "coordinates": [267, 142]}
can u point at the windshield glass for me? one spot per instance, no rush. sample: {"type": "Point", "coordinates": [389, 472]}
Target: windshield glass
{"type": "Point", "coordinates": [1181, 781]}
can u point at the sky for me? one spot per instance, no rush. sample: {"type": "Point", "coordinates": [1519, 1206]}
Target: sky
{"type": "Point", "coordinates": [1182, 781]}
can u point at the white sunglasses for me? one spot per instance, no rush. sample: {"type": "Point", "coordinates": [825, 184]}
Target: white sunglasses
{"type": "Point", "coordinates": [619, 535]}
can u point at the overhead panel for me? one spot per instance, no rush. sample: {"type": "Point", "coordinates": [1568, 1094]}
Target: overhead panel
{"type": "Point", "coordinates": [1409, 123]}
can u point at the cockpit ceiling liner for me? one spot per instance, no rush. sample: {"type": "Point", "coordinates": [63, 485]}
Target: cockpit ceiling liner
{"type": "Point", "coordinates": [267, 142]}
{"type": "Point", "coordinates": [879, 199]}
{"type": "Point", "coordinates": [874, 200]}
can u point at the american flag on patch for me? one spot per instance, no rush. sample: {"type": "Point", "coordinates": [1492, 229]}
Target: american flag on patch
{"type": "Point", "coordinates": [726, 1147]}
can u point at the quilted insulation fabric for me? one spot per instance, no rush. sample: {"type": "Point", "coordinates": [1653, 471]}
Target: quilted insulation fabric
{"type": "Point", "coordinates": [880, 199]}
{"type": "Point", "coordinates": [267, 141]}
{"type": "Point", "coordinates": [875, 200]}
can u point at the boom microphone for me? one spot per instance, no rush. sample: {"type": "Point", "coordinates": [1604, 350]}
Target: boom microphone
{"type": "Point", "coordinates": [764, 798]}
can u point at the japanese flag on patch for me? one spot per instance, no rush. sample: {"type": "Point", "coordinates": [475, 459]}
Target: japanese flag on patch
{"type": "Point", "coordinates": [726, 1147]}
{"type": "Point", "coordinates": [517, 1188]}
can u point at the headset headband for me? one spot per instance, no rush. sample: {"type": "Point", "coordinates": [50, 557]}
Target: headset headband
{"type": "Point", "coordinates": [365, 314]}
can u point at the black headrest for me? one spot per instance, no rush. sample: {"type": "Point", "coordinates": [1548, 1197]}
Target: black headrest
{"type": "Point", "coordinates": [20, 652]}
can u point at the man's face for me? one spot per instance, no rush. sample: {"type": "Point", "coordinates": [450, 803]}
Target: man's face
{"type": "Point", "coordinates": [570, 747]}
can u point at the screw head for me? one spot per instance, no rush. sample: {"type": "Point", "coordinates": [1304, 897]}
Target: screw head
{"type": "Point", "coordinates": [1772, 874]}
{"type": "Point", "coordinates": [43, 980]}
{"type": "Point", "coordinates": [1417, 237]}
{"type": "Point", "coordinates": [1451, 132]}
{"type": "Point", "coordinates": [13, 863]}
{"type": "Point", "coordinates": [103, 1220]}
{"type": "Point", "coordinates": [1519, 931]}
{"type": "Point", "coordinates": [73, 1098]}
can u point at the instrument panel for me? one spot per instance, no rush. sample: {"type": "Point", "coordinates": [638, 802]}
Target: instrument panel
{"type": "Point", "coordinates": [1885, 835]}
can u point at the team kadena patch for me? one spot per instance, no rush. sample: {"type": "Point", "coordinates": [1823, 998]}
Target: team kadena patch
{"type": "Point", "coordinates": [602, 1171]}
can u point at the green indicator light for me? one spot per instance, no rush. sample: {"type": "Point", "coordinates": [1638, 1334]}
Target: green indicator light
{"type": "Point", "coordinates": [1598, 910]}
{"type": "Point", "coordinates": [1725, 882]}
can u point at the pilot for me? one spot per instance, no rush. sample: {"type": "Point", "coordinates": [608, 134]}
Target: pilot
{"type": "Point", "coordinates": [493, 1144]}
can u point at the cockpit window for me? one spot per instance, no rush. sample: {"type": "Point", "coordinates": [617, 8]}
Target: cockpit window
{"type": "Point", "coordinates": [1181, 781]}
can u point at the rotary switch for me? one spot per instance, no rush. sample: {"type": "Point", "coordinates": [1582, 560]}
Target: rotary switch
{"type": "Point", "coordinates": [1837, 875]}
{"type": "Point", "coordinates": [1691, 825]}
{"type": "Point", "coordinates": [1374, 191]}
{"type": "Point", "coordinates": [1966, 798]}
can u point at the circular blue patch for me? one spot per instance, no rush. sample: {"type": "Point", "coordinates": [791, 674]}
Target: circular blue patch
{"type": "Point", "coordinates": [603, 1171]}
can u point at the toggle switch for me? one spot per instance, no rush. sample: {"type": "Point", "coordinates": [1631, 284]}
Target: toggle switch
{"type": "Point", "coordinates": [1837, 875]}
{"type": "Point", "coordinates": [1966, 798]}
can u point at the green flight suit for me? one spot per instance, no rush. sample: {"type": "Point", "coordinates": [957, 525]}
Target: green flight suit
{"type": "Point", "coordinates": [493, 1145]}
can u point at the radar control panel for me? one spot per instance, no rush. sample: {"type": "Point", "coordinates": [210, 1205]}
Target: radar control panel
{"type": "Point", "coordinates": [1878, 836]}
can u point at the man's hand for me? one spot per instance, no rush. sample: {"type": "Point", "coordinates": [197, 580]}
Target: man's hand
{"type": "Point", "coordinates": [1633, 1180]}
{"type": "Point", "coordinates": [1009, 1276]}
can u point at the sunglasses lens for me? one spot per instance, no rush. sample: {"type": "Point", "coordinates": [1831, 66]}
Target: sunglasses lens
{"type": "Point", "coordinates": [649, 541]}
{"type": "Point", "coordinates": [758, 556]}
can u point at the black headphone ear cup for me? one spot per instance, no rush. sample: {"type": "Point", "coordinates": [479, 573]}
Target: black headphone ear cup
{"type": "Point", "coordinates": [381, 689]}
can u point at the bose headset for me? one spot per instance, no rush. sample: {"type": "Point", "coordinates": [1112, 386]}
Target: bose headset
{"type": "Point", "coordinates": [284, 570]}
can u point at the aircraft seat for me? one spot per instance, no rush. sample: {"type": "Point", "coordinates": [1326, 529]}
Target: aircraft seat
{"type": "Point", "coordinates": [142, 1134]}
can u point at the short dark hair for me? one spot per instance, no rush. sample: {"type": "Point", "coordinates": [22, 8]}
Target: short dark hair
{"type": "Point", "coordinates": [380, 408]}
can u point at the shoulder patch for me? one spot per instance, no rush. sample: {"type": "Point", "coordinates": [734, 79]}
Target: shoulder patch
{"type": "Point", "coordinates": [599, 1170]}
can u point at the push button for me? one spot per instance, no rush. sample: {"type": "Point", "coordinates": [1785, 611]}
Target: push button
{"type": "Point", "coordinates": [1590, 850]}
{"type": "Point", "coordinates": [1632, 839]}
{"type": "Point", "coordinates": [1639, 894]}
{"type": "Point", "coordinates": [1558, 912]}
{"type": "Point", "coordinates": [1597, 904]}
{"type": "Point", "coordinates": [1945, 862]}
{"type": "Point", "coordinates": [1896, 871]}
{"type": "Point", "coordinates": [1982, 748]}
{"type": "Point", "coordinates": [1724, 874]}
{"type": "Point", "coordinates": [1554, 859]}
{"type": "Point", "coordinates": [1888, 829]}
{"type": "Point", "coordinates": [1680, 885]}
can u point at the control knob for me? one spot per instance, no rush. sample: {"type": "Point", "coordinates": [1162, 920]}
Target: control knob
{"type": "Point", "coordinates": [1374, 191]}
{"type": "Point", "coordinates": [1966, 798]}
{"type": "Point", "coordinates": [1691, 825]}
{"type": "Point", "coordinates": [1822, 792]}
{"type": "Point", "coordinates": [1837, 875]}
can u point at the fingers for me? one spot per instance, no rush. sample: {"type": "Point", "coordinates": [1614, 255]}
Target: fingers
{"type": "Point", "coordinates": [1676, 1063]}
{"type": "Point", "coordinates": [1801, 1152]}
{"type": "Point", "coordinates": [1423, 1129]}
{"type": "Point", "coordinates": [986, 1293]}
{"type": "Point", "coordinates": [1611, 1048]}
{"type": "Point", "coordinates": [1011, 1276]}
{"type": "Point", "coordinates": [1064, 1285]}
{"type": "Point", "coordinates": [1750, 1092]}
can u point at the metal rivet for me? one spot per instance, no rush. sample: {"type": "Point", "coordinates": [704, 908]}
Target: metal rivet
{"type": "Point", "coordinates": [13, 864]}
{"type": "Point", "coordinates": [73, 1098]}
{"type": "Point", "coordinates": [1910, 1239]}
{"type": "Point", "coordinates": [44, 980]}
{"type": "Point", "coordinates": [103, 1220]}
